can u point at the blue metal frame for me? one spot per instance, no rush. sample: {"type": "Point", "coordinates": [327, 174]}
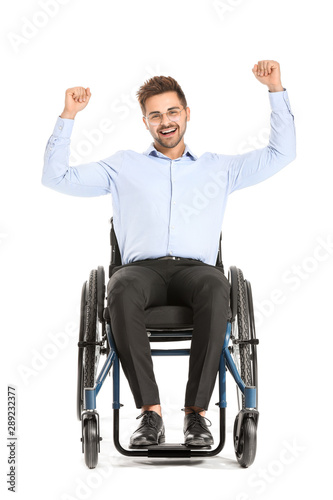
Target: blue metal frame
{"type": "Point", "coordinates": [226, 360]}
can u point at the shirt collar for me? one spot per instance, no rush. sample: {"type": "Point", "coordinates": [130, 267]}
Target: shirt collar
{"type": "Point", "coordinates": [153, 152]}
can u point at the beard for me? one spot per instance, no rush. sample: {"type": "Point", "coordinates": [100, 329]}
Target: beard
{"type": "Point", "coordinates": [172, 143]}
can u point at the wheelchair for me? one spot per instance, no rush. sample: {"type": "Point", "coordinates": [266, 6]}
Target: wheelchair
{"type": "Point", "coordinates": [165, 324]}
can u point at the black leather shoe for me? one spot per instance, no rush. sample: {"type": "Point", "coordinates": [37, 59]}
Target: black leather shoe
{"type": "Point", "coordinates": [150, 431]}
{"type": "Point", "coordinates": [196, 431]}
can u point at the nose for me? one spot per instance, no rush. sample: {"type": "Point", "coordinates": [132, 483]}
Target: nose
{"type": "Point", "coordinates": [165, 119]}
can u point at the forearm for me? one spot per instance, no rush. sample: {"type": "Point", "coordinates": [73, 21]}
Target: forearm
{"type": "Point", "coordinates": [56, 156]}
{"type": "Point", "coordinates": [282, 138]}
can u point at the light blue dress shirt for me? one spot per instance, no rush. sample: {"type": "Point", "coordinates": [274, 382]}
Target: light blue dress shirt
{"type": "Point", "coordinates": [170, 207]}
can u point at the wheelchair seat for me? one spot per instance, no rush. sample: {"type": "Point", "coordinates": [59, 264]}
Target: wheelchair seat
{"type": "Point", "coordinates": [170, 316]}
{"type": "Point", "coordinates": [166, 323]}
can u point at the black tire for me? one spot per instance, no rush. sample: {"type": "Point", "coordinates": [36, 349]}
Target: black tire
{"type": "Point", "coordinates": [246, 443]}
{"type": "Point", "coordinates": [91, 353]}
{"type": "Point", "coordinates": [243, 329]}
{"type": "Point", "coordinates": [100, 293]}
{"type": "Point", "coordinates": [90, 441]}
{"type": "Point", "coordinates": [245, 355]}
{"type": "Point", "coordinates": [79, 398]}
{"type": "Point", "coordinates": [254, 363]}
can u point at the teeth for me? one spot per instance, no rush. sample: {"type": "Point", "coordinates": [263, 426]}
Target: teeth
{"type": "Point", "coordinates": [168, 131]}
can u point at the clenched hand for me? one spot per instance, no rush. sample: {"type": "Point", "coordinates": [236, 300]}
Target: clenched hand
{"type": "Point", "coordinates": [268, 72]}
{"type": "Point", "coordinates": [76, 99]}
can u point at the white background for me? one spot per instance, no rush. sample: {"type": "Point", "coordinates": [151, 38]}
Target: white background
{"type": "Point", "coordinates": [49, 241]}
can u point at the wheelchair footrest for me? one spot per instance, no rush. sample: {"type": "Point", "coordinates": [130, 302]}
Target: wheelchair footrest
{"type": "Point", "coordinates": [171, 450]}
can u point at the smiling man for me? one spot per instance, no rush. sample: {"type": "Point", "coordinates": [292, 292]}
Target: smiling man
{"type": "Point", "coordinates": [168, 208]}
{"type": "Point", "coordinates": [167, 129]}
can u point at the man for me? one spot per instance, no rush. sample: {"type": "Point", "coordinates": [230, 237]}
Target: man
{"type": "Point", "coordinates": [168, 207]}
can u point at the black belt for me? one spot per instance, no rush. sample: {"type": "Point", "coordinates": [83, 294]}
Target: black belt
{"type": "Point", "coordinates": [177, 258]}
{"type": "Point", "coordinates": [170, 257]}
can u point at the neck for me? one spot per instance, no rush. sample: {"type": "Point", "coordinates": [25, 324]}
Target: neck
{"type": "Point", "coordinates": [172, 153]}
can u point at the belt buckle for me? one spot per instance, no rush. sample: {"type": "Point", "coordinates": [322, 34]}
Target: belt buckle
{"type": "Point", "coordinates": [171, 257]}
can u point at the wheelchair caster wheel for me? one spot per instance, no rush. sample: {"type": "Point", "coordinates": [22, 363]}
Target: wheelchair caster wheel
{"type": "Point", "coordinates": [90, 441]}
{"type": "Point", "coordinates": [246, 443]}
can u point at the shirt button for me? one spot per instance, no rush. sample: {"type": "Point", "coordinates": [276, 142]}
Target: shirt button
{"type": "Point", "coordinates": [60, 128]}
{"type": "Point", "coordinates": [174, 203]}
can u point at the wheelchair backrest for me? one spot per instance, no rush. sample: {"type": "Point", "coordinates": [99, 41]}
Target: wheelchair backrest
{"type": "Point", "coordinates": [116, 257]}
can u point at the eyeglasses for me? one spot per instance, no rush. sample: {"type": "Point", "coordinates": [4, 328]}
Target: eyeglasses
{"type": "Point", "coordinates": [172, 114]}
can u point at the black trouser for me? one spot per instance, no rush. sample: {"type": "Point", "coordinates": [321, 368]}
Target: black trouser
{"type": "Point", "coordinates": [141, 284]}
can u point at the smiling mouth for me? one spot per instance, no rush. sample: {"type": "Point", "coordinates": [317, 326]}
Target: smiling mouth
{"type": "Point", "coordinates": [168, 132]}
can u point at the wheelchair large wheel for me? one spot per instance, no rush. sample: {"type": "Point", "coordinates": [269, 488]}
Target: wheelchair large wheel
{"type": "Point", "coordinates": [253, 349]}
{"type": "Point", "coordinates": [100, 293]}
{"type": "Point", "coordinates": [90, 441]}
{"type": "Point", "coordinates": [92, 307]}
{"type": "Point", "coordinates": [243, 332]}
{"type": "Point", "coordinates": [246, 443]}
{"type": "Point", "coordinates": [79, 397]}
{"type": "Point", "coordinates": [91, 352]}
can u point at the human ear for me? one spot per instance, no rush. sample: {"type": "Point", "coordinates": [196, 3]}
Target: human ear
{"type": "Point", "coordinates": [145, 122]}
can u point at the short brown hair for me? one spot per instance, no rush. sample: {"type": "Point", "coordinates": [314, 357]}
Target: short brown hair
{"type": "Point", "coordinates": [158, 85]}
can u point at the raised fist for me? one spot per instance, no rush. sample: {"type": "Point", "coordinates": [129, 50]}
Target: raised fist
{"type": "Point", "coordinates": [268, 72]}
{"type": "Point", "coordinates": [76, 100]}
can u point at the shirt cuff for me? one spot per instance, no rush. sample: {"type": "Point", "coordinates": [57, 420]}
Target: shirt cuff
{"type": "Point", "coordinates": [63, 127]}
{"type": "Point", "coordinates": [279, 100]}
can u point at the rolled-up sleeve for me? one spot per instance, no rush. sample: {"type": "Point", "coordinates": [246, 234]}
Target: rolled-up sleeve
{"type": "Point", "coordinates": [87, 179]}
{"type": "Point", "coordinates": [255, 166]}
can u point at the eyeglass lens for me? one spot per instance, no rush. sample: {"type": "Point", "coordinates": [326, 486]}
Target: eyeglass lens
{"type": "Point", "coordinates": [156, 118]}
